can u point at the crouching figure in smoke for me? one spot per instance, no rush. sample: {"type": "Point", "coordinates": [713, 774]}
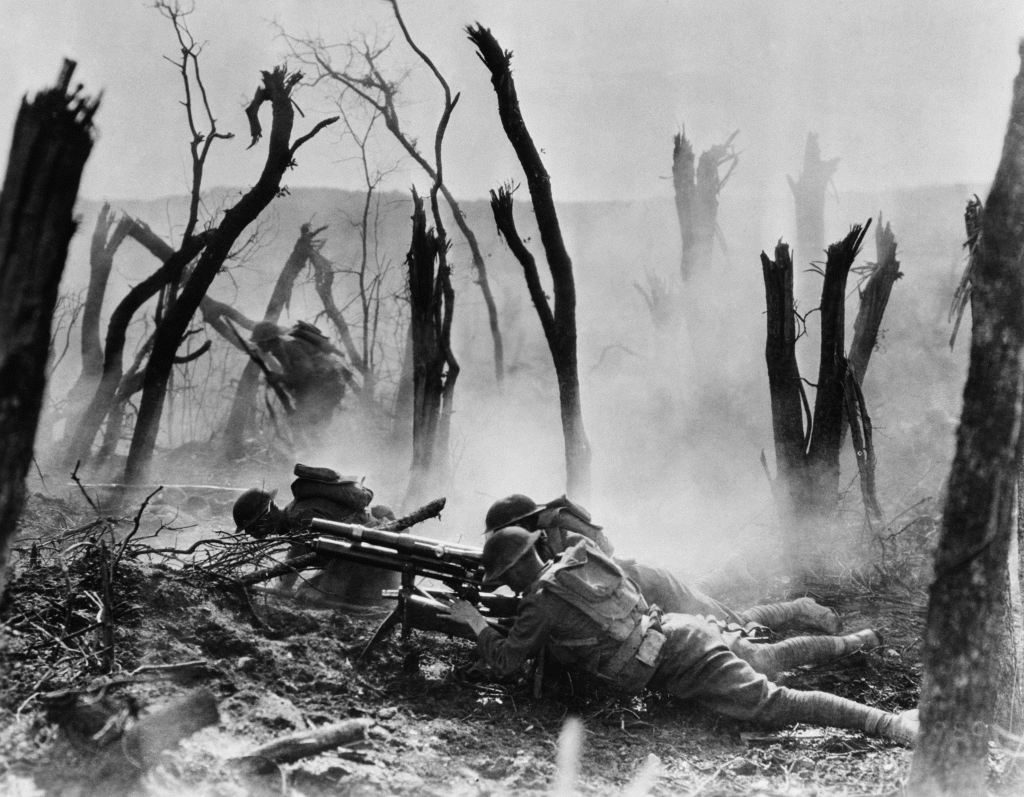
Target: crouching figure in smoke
{"type": "Point", "coordinates": [325, 494]}
{"type": "Point", "coordinates": [562, 523]}
{"type": "Point", "coordinates": [587, 614]}
{"type": "Point", "coordinates": [309, 368]}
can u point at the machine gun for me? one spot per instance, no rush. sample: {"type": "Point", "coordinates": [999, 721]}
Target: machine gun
{"type": "Point", "coordinates": [458, 567]}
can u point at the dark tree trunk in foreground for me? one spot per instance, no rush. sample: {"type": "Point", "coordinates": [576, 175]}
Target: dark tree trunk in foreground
{"type": "Point", "coordinates": [807, 444]}
{"type": "Point", "coordinates": [276, 89]}
{"type": "Point", "coordinates": [434, 368]}
{"type": "Point", "coordinates": [51, 142]}
{"type": "Point", "coordinates": [967, 612]}
{"type": "Point", "coordinates": [809, 196]}
{"type": "Point", "coordinates": [559, 324]}
{"type": "Point", "coordinates": [244, 404]}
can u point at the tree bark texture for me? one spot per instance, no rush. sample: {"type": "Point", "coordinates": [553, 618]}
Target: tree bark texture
{"type": "Point", "coordinates": [966, 608]}
{"type": "Point", "coordinates": [561, 333]}
{"type": "Point", "coordinates": [809, 196]}
{"type": "Point", "coordinates": [430, 302]}
{"type": "Point", "coordinates": [51, 142]}
{"type": "Point", "coordinates": [276, 88]}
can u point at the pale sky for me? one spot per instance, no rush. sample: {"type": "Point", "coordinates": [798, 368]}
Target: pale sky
{"type": "Point", "coordinates": [905, 93]}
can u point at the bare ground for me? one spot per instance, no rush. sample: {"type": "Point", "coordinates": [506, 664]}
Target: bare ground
{"type": "Point", "coordinates": [276, 667]}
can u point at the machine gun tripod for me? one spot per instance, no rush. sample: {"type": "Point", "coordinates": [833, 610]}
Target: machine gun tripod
{"type": "Point", "coordinates": [458, 567]}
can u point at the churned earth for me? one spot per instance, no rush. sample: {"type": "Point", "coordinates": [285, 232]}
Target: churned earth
{"type": "Point", "coordinates": [276, 667]}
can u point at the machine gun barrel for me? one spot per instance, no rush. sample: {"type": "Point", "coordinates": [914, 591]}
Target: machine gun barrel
{"type": "Point", "coordinates": [410, 544]}
{"type": "Point", "coordinates": [455, 572]}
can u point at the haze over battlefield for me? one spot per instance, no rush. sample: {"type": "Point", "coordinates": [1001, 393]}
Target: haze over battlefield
{"type": "Point", "coordinates": [907, 93]}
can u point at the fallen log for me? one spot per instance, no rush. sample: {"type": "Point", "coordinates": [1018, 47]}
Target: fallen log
{"type": "Point", "coordinates": [303, 744]}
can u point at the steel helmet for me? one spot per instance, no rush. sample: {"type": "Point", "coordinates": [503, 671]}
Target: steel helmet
{"type": "Point", "coordinates": [509, 510]}
{"type": "Point", "coordinates": [251, 505]}
{"type": "Point", "coordinates": [504, 548]}
{"type": "Point", "coordinates": [265, 331]}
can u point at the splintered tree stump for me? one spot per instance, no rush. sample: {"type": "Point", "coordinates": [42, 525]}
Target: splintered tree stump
{"type": "Point", "coordinates": [51, 143]}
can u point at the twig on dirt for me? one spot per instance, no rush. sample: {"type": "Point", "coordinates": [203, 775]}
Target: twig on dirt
{"type": "Point", "coordinates": [704, 783]}
{"type": "Point", "coordinates": [135, 529]}
{"type": "Point", "coordinates": [76, 480]}
{"type": "Point", "coordinates": [169, 668]}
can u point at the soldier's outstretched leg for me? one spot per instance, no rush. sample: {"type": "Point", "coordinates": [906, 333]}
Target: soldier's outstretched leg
{"type": "Point", "coordinates": [806, 611]}
{"type": "Point", "coordinates": [698, 664]}
{"type": "Point", "coordinates": [774, 659]}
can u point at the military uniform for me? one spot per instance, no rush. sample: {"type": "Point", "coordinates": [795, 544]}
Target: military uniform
{"type": "Point", "coordinates": [588, 614]}
{"type": "Point", "coordinates": [322, 493]}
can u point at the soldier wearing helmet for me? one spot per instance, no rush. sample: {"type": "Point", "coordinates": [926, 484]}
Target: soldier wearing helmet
{"type": "Point", "coordinates": [561, 523]}
{"type": "Point", "coordinates": [308, 367]}
{"type": "Point", "coordinates": [584, 611]}
{"type": "Point", "coordinates": [319, 493]}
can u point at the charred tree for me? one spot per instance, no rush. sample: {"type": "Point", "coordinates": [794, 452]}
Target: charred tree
{"type": "Point", "coordinates": [276, 88]}
{"type": "Point", "coordinates": [874, 298]}
{"type": "Point", "coordinates": [809, 196]}
{"type": "Point", "coordinates": [107, 238]}
{"type": "Point", "coordinates": [80, 446]}
{"type": "Point", "coordinates": [560, 323]}
{"type": "Point", "coordinates": [105, 243]}
{"type": "Point", "coordinates": [696, 194]}
{"type": "Point", "coordinates": [807, 444]}
{"type": "Point", "coordinates": [431, 301]}
{"type": "Point", "coordinates": [965, 643]}
{"type": "Point", "coordinates": [51, 142]}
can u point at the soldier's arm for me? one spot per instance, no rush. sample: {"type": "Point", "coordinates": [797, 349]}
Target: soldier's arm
{"type": "Point", "coordinates": [525, 639]}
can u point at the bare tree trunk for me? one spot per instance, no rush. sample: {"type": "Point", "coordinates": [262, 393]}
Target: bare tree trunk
{"type": "Point", "coordinates": [103, 247]}
{"type": "Point", "coordinates": [965, 678]}
{"type": "Point", "coordinates": [51, 142]}
{"type": "Point", "coordinates": [430, 298]}
{"type": "Point", "coordinates": [101, 260]}
{"type": "Point", "coordinates": [559, 324]}
{"type": "Point", "coordinates": [809, 196]}
{"type": "Point", "coordinates": [807, 445]}
{"type": "Point", "coordinates": [276, 88]}
{"type": "Point", "coordinates": [92, 418]}
{"type": "Point", "coordinates": [683, 181]}
{"type": "Point", "coordinates": [829, 401]}
{"type": "Point", "coordinates": [874, 298]}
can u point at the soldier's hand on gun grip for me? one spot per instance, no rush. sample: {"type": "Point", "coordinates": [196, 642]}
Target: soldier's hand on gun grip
{"type": "Point", "coordinates": [466, 612]}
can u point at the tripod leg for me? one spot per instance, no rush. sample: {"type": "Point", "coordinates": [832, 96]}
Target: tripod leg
{"type": "Point", "coordinates": [381, 633]}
